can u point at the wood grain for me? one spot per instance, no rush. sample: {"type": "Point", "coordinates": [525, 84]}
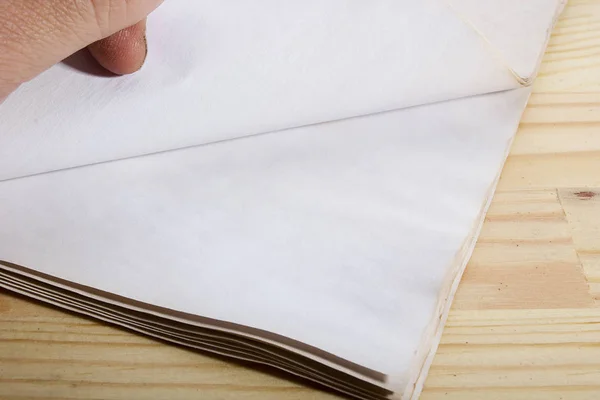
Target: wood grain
{"type": "Point", "coordinates": [525, 323]}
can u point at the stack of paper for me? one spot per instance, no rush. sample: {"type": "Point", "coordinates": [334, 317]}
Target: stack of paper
{"type": "Point", "coordinates": [295, 183]}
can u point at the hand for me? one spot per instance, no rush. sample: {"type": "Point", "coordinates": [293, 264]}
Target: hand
{"type": "Point", "coordinates": [36, 34]}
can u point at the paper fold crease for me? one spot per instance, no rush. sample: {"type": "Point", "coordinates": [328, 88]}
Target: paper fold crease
{"type": "Point", "coordinates": [241, 69]}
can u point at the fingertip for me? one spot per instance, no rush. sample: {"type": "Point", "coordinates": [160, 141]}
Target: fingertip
{"type": "Point", "coordinates": [124, 52]}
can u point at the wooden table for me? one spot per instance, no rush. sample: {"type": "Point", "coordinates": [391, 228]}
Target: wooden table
{"type": "Point", "coordinates": [526, 320]}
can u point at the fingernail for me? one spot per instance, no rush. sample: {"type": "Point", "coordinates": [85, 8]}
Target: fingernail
{"type": "Point", "coordinates": [145, 45]}
{"type": "Point", "coordinates": [145, 48]}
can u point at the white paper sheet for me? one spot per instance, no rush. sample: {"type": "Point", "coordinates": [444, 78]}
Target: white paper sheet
{"type": "Point", "coordinates": [340, 235]}
{"type": "Point", "coordinates": [337, 235]}
{"type": "Point", "coordinates": [223, 69]}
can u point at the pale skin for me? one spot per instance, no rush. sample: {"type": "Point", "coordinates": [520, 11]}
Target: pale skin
{"type": "Point", "coordinates": [36, 34]}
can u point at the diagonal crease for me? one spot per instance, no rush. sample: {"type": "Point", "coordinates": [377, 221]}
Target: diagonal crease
{"type": "Point", "coordinates": [523, 81]}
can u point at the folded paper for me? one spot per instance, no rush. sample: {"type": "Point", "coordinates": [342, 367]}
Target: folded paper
{"type": "Point", "coordinates": [298, 184]}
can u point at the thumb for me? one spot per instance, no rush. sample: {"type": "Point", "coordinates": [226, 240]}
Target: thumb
{"type": "Point", "coordinates": [123, 52]}
{"type": "Point", "coordinates": [36, 34]}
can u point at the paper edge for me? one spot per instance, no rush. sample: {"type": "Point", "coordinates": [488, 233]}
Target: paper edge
{"type": "Point", "coordinates": [523, 81]}
{"type": "Point", "coordinates": [188, 319]}
{"type": "Point", "coordinates": [447, 295]}
{"type": "Point", "coordinates": [423, 365]}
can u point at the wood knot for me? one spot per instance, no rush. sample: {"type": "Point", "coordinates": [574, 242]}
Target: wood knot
{"type": "Point", "coordinates": [585, 195]}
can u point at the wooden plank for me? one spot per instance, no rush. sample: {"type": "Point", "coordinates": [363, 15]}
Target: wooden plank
{"type": "Point", "coordinates": [518, 354]}
{"type": "Point", "coordinates": [525, 257]}
{"type": "Point", "coordinates": [582, 208]}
